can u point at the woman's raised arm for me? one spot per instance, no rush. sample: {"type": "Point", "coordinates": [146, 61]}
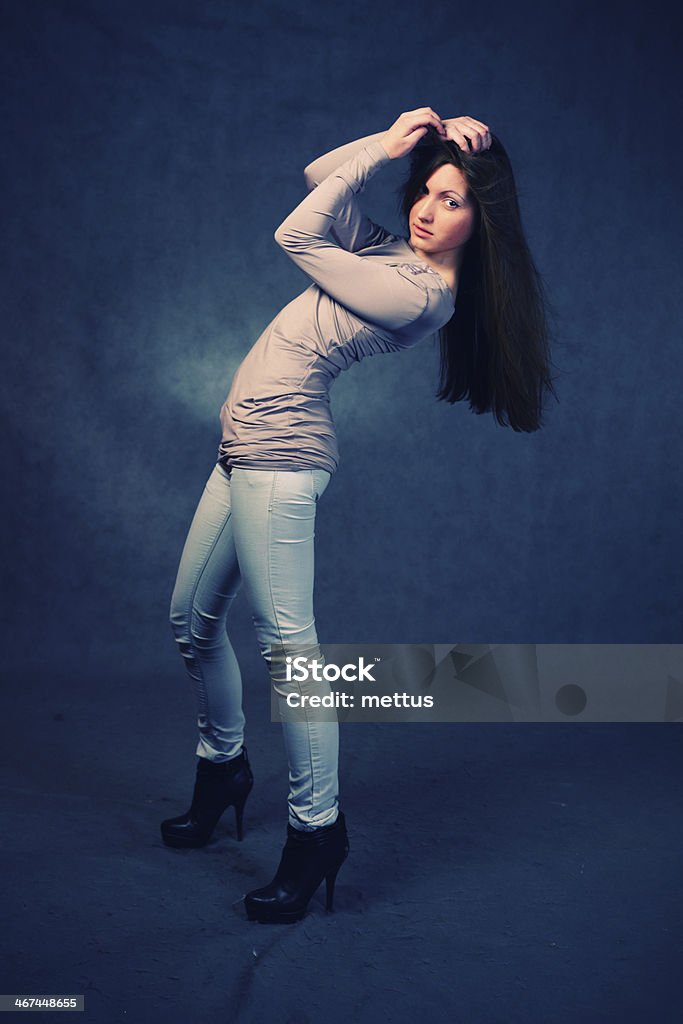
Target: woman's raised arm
{"type": "Point", "coordinates": [371, 289]}
{"type": "Point", "coordinates": [352, 228]}
{"type": "Point", "coordinates": [322, 166]}
{"type": "Point", "coordinates": [384, 295]}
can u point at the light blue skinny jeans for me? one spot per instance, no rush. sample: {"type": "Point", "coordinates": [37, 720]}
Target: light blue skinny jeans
{"type": "Point", "coordinates": [256, 527]}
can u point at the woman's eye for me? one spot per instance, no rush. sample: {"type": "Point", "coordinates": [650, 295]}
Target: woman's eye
{"type": "Point", "coordinates": [423, 191]}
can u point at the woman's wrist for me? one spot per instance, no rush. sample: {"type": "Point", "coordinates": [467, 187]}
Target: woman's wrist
{"type": "Point", "coordinates": [385, 142]}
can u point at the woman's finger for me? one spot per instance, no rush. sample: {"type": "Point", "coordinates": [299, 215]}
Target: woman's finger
{"type": "Point", "coordinates": [466, 128]}
{"type": "Point", "coordinates": [479, 125]}
{"type": "Point", "coordinates": [457, 136]}
{"type": "Point", "coordinates": [426, 114]}
{"type": "Point", "coordinates": [436, 122]}
{"type": "Point", "coordinates": [475, 130]}
{"type": "Point", "coordinates": [476, 137]}
{"type": "Point", "coordinates": [479, 140]}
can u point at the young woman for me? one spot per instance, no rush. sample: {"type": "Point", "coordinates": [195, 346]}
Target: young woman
{"type": "Point", "coordinates": [371, 292]}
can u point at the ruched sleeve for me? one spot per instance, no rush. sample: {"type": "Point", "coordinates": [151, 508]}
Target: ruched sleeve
{"type": "Point", "coordinates": [352, 228]}
{"type": "Point", "coordinates": [374, 291]}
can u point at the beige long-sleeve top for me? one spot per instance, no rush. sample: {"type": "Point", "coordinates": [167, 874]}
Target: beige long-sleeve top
{"type": "Point", "coordinates": [370, 293]}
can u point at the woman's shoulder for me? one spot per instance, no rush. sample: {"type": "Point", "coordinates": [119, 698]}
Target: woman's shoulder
{"type": "Point", "coordinates": [435, 301]}
{"type": "Point", "coordinates": [408, 260]}
{"type": "Point", "coordinates": [421, 273]}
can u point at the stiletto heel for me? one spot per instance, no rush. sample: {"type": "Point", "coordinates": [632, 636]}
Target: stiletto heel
{"type": "Point", "coordinates": [306, 859]}
{"type": "Point", "coordinates": [239, 811]}
{"type": "Point", "coordinates": [218, 785]}
{"type": "Point", "coordinates": [329, 888]}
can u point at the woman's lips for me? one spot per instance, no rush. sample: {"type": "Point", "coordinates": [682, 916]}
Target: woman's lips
{"type": "Point", "coordinates": [422, 231]}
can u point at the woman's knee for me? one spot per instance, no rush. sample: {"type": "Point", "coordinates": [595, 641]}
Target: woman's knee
{"type": "Point", "coordinates": [191, 625]}
{"type": "Point", "coordinates": [180, 617]}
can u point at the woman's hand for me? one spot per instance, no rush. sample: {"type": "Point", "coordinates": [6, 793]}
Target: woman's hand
{"type": "Point", "coordinates": [460, 129]}
{"type": "Point", "coordinates": [409, 128]}
{"type": "Point", "coordinates": [470, 135]}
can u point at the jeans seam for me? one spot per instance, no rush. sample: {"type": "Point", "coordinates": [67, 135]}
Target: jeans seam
{"type": "Point", "coordinates": [270, 550]}
{"type": "Point", "coordinates": [277, 622]}
{"type": "Point", "coordinates": [191, 617]}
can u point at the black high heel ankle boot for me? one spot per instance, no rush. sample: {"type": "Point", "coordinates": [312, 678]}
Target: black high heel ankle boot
{"type": "Point", "coordinates": [218, 785]}
{"type": "Point", "coordinates": [307, 858]}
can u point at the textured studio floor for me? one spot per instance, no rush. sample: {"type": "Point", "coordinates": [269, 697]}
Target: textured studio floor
{"type": "Point", "coordinates": [497, 874]}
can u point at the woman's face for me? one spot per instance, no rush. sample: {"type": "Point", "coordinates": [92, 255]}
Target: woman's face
{"type": "Point", "coordinates": [444, 210]}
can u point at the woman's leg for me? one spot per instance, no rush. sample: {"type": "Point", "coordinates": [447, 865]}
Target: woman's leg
{"type": "Point", "coordinates": [207, 582]}
{"type": "Point", "coordinates": [274, 529]}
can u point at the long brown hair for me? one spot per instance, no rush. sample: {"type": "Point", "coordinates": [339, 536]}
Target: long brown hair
{"type": "Point", "coordinates": [494, 351]}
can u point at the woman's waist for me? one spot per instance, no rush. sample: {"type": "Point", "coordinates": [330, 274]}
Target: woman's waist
{"type": "Point", "coordinates": [318, 453]}
{"type": "Point", "coordinates": [264, 403]}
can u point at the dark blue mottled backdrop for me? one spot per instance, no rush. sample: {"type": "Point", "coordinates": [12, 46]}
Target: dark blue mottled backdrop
{"type": "Point", "coordinates": [151, 149]}
{"type": "Point", "coordinates": [499, 872]}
